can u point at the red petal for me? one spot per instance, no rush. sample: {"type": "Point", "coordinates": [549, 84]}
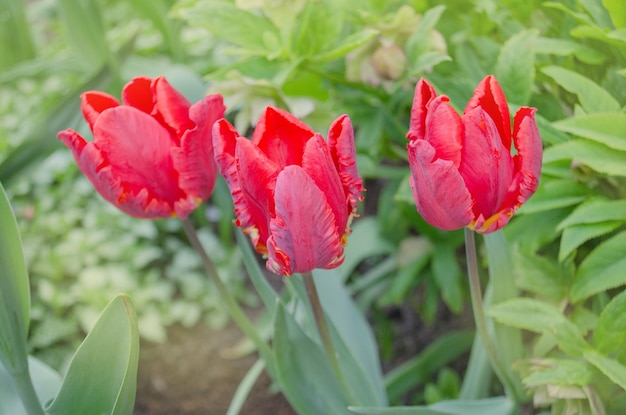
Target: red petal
{"type": "Point", "coordinates": [171, 107]}
{"type": "Point", "coordinates": [281, 136]}
{"type": "Point", "coordinates": [137, 152]}
{"type": "Point", "coordinates": [439, 191]}
{"type": "Point", "coordinates": [138, 93]}
{"type": "Point", "coordinates": [424, 93]}
{"type": "Point", "coordinates": [303, 233]}
{"type": "Point", "coordinates": [343, 152]}
{"type": "Point", "coordinates": [443, 130]}
{"type": "Point", "coordinates": [486, 165]}
{"type": "Point", "coordinates": [318, 164]}
{"type": "Point", "coordinates": [93, 103]}
{"type": "Point", "coordinates": [490, 96]}
{"type": "Point", "coordinates": [194, 160]}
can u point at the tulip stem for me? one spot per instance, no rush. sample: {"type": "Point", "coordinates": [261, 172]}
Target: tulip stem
{"type": "Point", "coordinates": [322, 328]}
{"type": "Point", "coordinates": [235, 311]}
{"type": "Point", "coordinates": [478, 309]}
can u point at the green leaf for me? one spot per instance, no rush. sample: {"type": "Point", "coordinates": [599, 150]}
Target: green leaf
{"type": "Point", "coordinates": [591, 96]}
{"type": "Point", "coordinates": [611, 368]}
{"type": "Point", "coordinates": [417, 43]}
{"type": "Point", "coordinates": [576, 235]}
{"type": "Point", "coordinates": [515, 68]}
{"type": "Point", "coordinates": [347, 45]}
{"type": "Point", "coordinates": [447, 276]}
{"type": "Point", "coordinates": [617, 11]}
{"type": "Point", "coordinates": [610, 331]}
{"type": "Point", "coordinates": [46, 382]}
{"type": "Point", "coordinates": [245, 386]}
{"type": "Point", "coordinates": [539, 275]}
{"type": "Point", "coordinates": [418, 370]}
{"type": "Point", "coordinates": [560, 372]}
{"type": "Point", "coordinates": [227, 22]}
{"type": "Point", "coordinates": [319, 26]}
{"type": "Point", "coordinates": [360, 246]}
{"type": "Point", "coordinates": [597, 156]}
{"type": "Point", "coordinates": [594, 211]}
{"type": "Point", "coordinates": [102, 376]}
{"type": "Point", "coordinates": [566, 47]}
{"type": "Point", "coordinates": [540, 317]}
{"type": "Point", "coordinates": [14, 292]}
{"type": "Point", "coordinates": [554, 194]}
{"type": "Point", "coordinates": [490, 406]}
{"type": "Point", "coordinates": [606, 128]}
{"type": "Point", "coordinates": [303, 370]}
{"type": "Point", "coordinates": [604, 268]}
{"type": "Point", "coordinates": [16, 40]}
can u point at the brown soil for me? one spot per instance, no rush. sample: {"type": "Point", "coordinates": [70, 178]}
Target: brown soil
{"type": "Point", "coordinates": [187, 375]}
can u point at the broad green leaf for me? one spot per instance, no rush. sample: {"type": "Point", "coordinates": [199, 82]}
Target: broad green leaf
{"type": "Point", "coordinates": [576, 235]}
{"type": "Point", "coordinates": [591, 96]}
{"type": "Point", "coordinates": [226, 21]}
{"type": "Point", "coordinates": [604, 268]}
{"type": "Point", "coordinates": [360, 246]}
{"type": "Point", "coordinates": [554, 194]}
{"type": "Point", "coordinates": [611, 368]}
{"type": "Point", "coordinates": [16, 40]}
{"type": "Point", "coordinates": [417, 43]}
{"type": "Point", "coordinates": [539, 275]}
{"type": "Point", "coordinates": [303, 371]}
{"type": "Point", "coordinates": [490, 406]}
{"type": "Point", "coordinates": [540, 317]}
{"type": "Point", "coordinates": [419, 370]}
{"type": "Point", "coordinates": [560, 372]}
{"type": "Point", "coordinates": [597, 156]}
{"type": "Point", "coordinates": [617, 11]}
{"type": "Point", "coordinates": [347, 45]}
{"type": "Point", "coordinates": [319, 26]}
{"type": "Point", "coordinates": [515, 68]}
{"type": "Point", "coordinates": [610, 331]}
{"type": "Point", "coordinates": [355, 333]}
{"type": "Point", "coordinates": [447, 276]}
{"type": "Point", "coordinates": [566, 47]}
{"type": "Point", "coordinates": [606, 128]}
{"type": "Point", "coordinates": [14, 293]}
{"type": "Point", "coordinates": [102, 376]}
{"type": "Point", "coordinates": [595, 211]}
{"type": "Point", "coordinates": [46, 382]}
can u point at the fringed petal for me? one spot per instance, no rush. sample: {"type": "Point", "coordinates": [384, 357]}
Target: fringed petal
{"type": "Point", "coordinates": [443, 130]}
{"type": "Point", "coordinates": [490, 97]}
{"type": "Point", "coordinates": [93, 103]}
{"type": "Point", "coordinates": [343, 152]}
{"type": "Point", "coordinates": [303, 232]}
{"type": "Point", "coordinates": [424, 93]}
{"type": "Point", "coordinates": [281, 136]}
{"type": "Point", "coordinates": [171, 107]}
{"type": "Point", "coordinates": [440, 194]}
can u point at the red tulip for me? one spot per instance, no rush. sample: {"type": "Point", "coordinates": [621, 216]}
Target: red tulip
{"type": "Point", "coordinates": [294, 193]}
{"type": "Point", "coordinates": [152, 156]}
{"type": "Point", "coordinates": [463, 172]}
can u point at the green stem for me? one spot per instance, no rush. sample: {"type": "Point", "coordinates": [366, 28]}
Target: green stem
{"type": "Point", "coordinates": [322, 328]}
{"type": "Point", "coordinates": [235, 311]}
{"type": "Point", "coordinates": [479, 312]}
{"type": "Point", "coordinates": [26, 391]}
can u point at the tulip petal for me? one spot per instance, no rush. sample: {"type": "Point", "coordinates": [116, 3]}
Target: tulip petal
{"type": "Point", "coordinates": [438, 189]}
{"type": "Point", "coordinates": [343, 152]}
{"type": "Point", "coordinates": [443, 130]}
{"type": "Point", "coordinates": [194, 160]}
{"type": "Point", "coordinates": [138, 93]}
{"type": "Point", "coordinates": [171, 107]}
{"type": "Point", "coordinates": [141, 161]}
{"type": "Point", "coordinates": [424, 93]}
{"type": "Point", "coordinates": [303, 232]}
{"type": "Point", "coordinates": [490, 97]}
{"type": "Point", "coordinates": [281, 136]}
{"type": "Point", "coordinates": [251, 219]}
{"type": "Point", "coordinates": [318, 164]}
{"type": "Point", "coordinates": [93, 103]}
{"type": "Point", "coordinates": [486, 165]}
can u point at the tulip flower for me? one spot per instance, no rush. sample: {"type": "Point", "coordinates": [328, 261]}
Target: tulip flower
{"type": "Point", "coordinates": [463, 172]}
{"type": "Point", "coordinates": [294, 193]}
{"type": "Point", "coordinates": [152, 155]}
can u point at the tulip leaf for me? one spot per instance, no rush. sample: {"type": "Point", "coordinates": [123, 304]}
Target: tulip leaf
{"type": "Point", "coordinates": [597, 156]}
{"type": "Point", "coordinates": [611, 368]}
{"type": "Point", "coordinates": [303, 370]}
{"type": "Point", "coordinates": [515, 68]}
{"type": "Point", "coordinates": [14, 292]}
{"type": "Point", "coordinates": [540, 317]}
{"type": "Point", "coordinates": [576, 235]}
{"type": "Point", "coordinates": [591, 96]}
{"type": "Point", "coordinates": [360, 246]}
{"type": "Point", "coordinates": [447, 276]}
{"type": "Point", "coordinates": [605, 128]}
{"type": "Point", "coordinates": [610, 330]}
{"type": "Point", "coordinates": [102, 376]}
{"type": "Point", "coordinates": [604, 268]}
{"type": "Point", "coordinates": [489, 406]}
{"type": "Point", "coordinates": [595, 211]}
